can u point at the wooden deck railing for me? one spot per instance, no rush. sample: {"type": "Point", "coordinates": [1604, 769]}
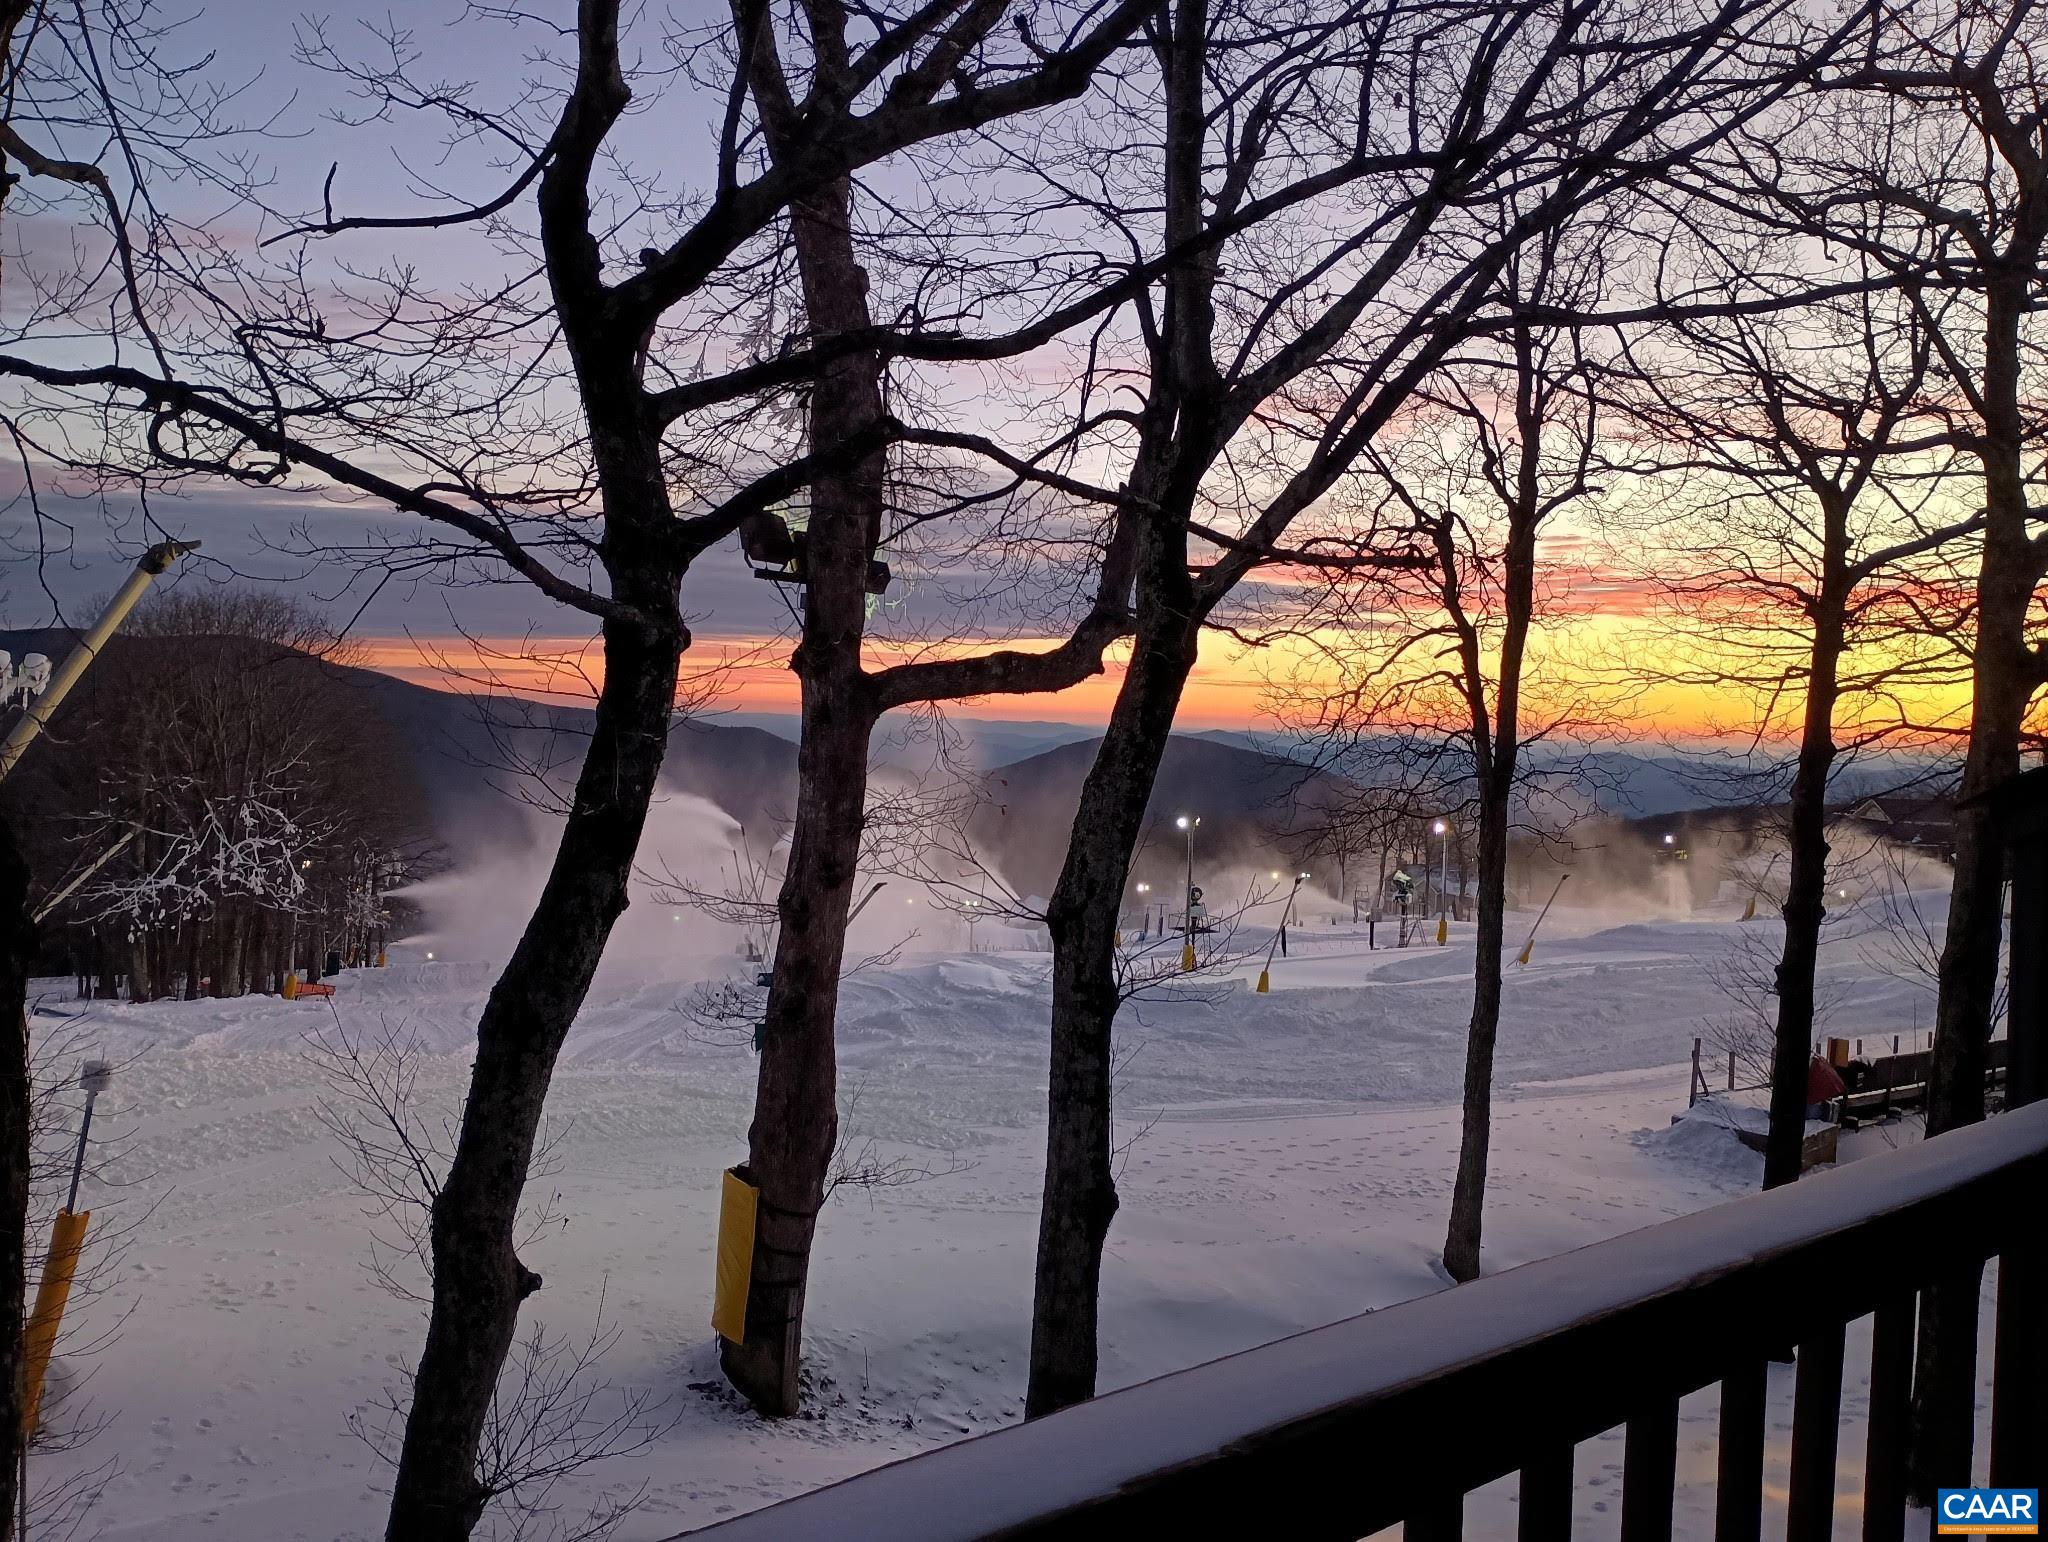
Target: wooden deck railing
{"type": "Point", "coordinates": [1394, 1416]}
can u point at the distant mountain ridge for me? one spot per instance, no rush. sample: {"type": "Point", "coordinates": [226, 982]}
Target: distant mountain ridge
{"type": "Point", "coordinates": [474, 754]}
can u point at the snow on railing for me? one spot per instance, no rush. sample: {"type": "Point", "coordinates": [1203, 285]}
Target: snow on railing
{"type": "Point", "coordinates": [1395, 1415]}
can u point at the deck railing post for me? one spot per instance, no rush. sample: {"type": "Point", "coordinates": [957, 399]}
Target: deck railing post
{"type": "Point", "coordinates": [1945, 1383]}
{"type": "Point", "coordinates": [1891, 1397]}
{"type": "Point", "coordinates": [2019, 1386]}
{"type": "Point", "coordinates": [1649, 1471]}
{"type": "Point", "coordinates": [1546, 1498]}
{"type": "Point", "coordinates": [1739, 1490]}
{"type": "Point", "coordinates": [1441, 1519]}
{"type": "Point", "coordinates": [1816, 1436]}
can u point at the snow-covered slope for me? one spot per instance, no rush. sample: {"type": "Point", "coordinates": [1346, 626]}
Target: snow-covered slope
{"type": "Point", "coordinates": [1288, 1162]}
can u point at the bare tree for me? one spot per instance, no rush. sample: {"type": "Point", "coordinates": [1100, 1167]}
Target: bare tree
{"type": "Point", "coordinates": [17, 939]}
{"type": "Point", "coordinates": [91, 73]}
{"type": "Point", "coordinates": [1817, 480]}
{"type": "Point", "coordinates": [440, 405]}
{"type": "Point", "coordinates": [793, 1136]}
{"type": "Point", "coordinates": [1931, 167]}
{"type": "Point", "coordinates": [1269, 370]}
{"type": "Point", "coordinates": [1526, 433]}
{"type": "Point", "coordinates": [553, 1412]}
{"type": "Point", "coordinates": [222, 796]}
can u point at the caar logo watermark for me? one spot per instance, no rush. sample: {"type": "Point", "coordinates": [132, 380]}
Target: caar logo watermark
{"type": "Point", "coordinates": [1989, 1512]}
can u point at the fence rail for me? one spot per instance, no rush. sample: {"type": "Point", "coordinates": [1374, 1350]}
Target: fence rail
{"type": "Point", "coordinates": [1394, 1416]}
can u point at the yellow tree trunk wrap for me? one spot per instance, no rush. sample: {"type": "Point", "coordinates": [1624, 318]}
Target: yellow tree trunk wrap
{"type": "Point", "coordinates": [67, 1235]}
{"type": "Point", "coordinates": [738, 1206]}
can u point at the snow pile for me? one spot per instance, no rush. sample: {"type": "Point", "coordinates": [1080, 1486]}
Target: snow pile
{"type": "Point", "coordinates": [1705, 1138]}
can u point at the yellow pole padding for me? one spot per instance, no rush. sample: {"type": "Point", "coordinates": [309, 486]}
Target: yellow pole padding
{"type": "Point", "coordinates": [1443, 930]}
{"type": "Point", "coordinates": [380, 958]}
{"type": "Point", "coordinates": [738, 1207]}
{"type": "Point", "coordinates": [1749, 910]}
{"type": "Point", "coordinates": [39, 1338]}
{"type": "Point", "coordinates": [1523, 956]}
{"type": "Point", "coordinates": [1264, 987]}
{"type": "Point", "coordinates": [291, 985]}
{"type": "Point", "coordinates": [1187, 958]}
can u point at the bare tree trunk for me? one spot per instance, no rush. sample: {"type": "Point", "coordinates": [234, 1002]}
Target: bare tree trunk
{"type": "Point", "coordinates": [1468, 1190]}
{"type": "Point", "coordinates": [479, 1281]}
{"type": "Point", "coordinates": [796, 1114]}
{"type": "Point", "coordinates": [17, 936]}
{"type": "Point", "coordinates": [1496, 745]}
{"type": "Point", "coordinates": [1805, 896]}
{"type": "Point", "coordinates": [2003, 679]}
{"type": "Point", "coordinates": [138, 967]}
{"type": "Point", "coordinates": [1080, 1185]}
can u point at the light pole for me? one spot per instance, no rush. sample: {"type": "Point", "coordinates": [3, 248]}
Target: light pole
{"type": "Point", "coordinates": [1144, 912]}
{"type": "Point", "coordinates": [1188, 826]}
{"type": "Point", "coordinates": [1443, 885]}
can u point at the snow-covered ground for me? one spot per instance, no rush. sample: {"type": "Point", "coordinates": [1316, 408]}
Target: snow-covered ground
{"type": "Point", "coordinates": [1289, 1161]}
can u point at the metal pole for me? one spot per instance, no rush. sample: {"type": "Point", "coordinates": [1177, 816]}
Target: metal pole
{"type": "Point", "coordinates": [78, 1157]}
{"type": "Point", "coordinates": [154, 562]}
{"type": "Point", "coordinates": [94, 1076]}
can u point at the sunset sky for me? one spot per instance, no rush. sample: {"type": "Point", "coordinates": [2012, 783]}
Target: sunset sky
{"type": "Point", "coordinates": [452, 635]}
{"type": "Point", "coordinates": [439, 633]}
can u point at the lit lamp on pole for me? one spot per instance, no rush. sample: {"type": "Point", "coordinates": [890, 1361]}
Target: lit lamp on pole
{"type": "Point", "coordinates": [1443, 912]}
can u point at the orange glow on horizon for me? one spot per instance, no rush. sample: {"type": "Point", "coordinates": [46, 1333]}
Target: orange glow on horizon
{"type": "Point", "coordinates": [1232, 686]}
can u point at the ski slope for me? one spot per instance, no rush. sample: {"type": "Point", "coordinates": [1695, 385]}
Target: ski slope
{"type": "Point", "coordinates": [1287, 1161]}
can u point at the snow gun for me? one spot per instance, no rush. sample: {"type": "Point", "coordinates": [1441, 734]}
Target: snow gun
{"type": "Point", "coordinates": [1523, 956]}
{"type": "Point", "coordinates": [1265, 975]}
{"type": "Point", "coordinates": [51, 688]}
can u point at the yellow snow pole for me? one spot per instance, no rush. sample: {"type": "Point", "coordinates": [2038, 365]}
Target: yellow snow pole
{"type": "Point", "coordinates": [738, 1211]}
{"type": "Point", "coordinates": [1443, 930]}
{"type": "Point", "coordinates": [39, 1338]}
